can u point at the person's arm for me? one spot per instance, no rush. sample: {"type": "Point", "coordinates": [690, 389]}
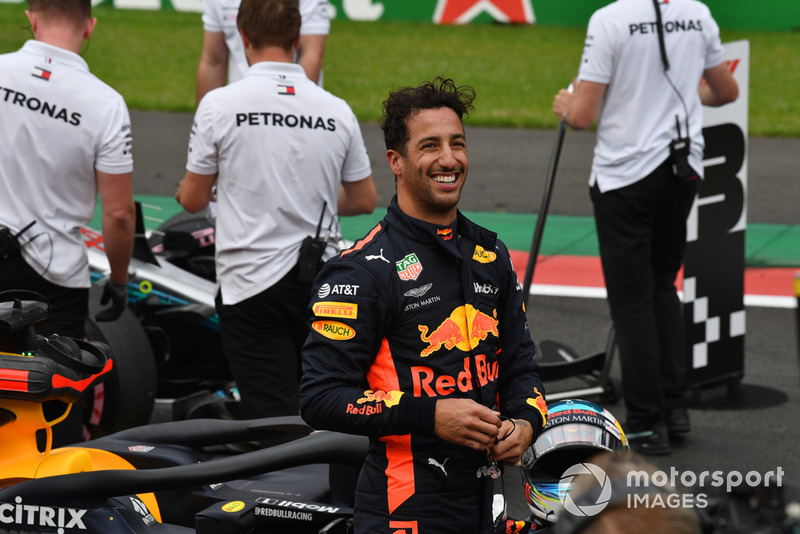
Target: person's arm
{"type": "Point", "coordinates": [346, 385]}
{"type": "Point", "coordinates": [312, 52]}
{"type": "Point", "coordinates": [357, 198]}
{"type": "Point", "coordinates": [194, 191]}
{"type": "Point", "coordinates": [580, 108]}
{"type": "Point", "coordinates": [719, 86]}
{"type": "Point", "coordinates": [212, 71]}
{"type": "Point", "coordinates": [118, 220]}
{"type": "Point", "coordinates": [520, 387]}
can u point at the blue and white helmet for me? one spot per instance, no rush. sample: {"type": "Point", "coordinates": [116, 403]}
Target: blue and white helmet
{"type": "Point", "coordinates": [575, 431]}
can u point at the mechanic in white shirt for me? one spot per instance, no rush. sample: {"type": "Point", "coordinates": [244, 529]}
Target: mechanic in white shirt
{"type": "Point", "coordinates": [65, 137]}
{"type": "Point", "coordinates": [286, 157]}
{"type": "Point", "coordinates": [647, 100]}
{"type": "Point", "coordinates": [223, 56]}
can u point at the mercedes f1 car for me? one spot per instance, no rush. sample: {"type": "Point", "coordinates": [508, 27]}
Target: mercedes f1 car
{"type": "Point", "coordinates": [167, 351]}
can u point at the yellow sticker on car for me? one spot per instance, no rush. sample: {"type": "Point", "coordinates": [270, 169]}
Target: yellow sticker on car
{"type": "Point", "coordinates": [233, 506]}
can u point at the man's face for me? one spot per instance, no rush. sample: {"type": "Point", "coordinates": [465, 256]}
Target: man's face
{"type": "Point", "coordinates": [433, 171]}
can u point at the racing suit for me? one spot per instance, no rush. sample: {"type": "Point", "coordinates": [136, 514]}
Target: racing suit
{"type": "Point", "coordinates": [411, 313]}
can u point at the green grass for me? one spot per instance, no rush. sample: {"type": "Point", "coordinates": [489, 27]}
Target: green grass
{"type": "Point", "coordinates": [151, 58]}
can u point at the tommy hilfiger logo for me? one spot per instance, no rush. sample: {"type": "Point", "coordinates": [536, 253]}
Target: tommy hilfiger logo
{"type": "Point", "coordinates": [39, 72]}
{"type": "Point", "coordinates": [286, 90]}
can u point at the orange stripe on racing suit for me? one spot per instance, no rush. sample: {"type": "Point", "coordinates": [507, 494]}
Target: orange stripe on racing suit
{"type": "Point", "coordinates": [400, 485]}
{"type": "Point", "coordinates": [361, 242]}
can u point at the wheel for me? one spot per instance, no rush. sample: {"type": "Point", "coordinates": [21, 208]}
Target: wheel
{"type": "Point", "coordinates": [187, 240]}
{"type": "Point", "coordinates": [127, 396]}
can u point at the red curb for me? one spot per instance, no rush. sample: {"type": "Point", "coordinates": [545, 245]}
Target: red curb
{"type": "Point", "coordinates": [585, 271]}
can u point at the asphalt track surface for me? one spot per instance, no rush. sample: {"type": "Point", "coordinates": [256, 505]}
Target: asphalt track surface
{"type": "Point", "coordinates": [753, 428]}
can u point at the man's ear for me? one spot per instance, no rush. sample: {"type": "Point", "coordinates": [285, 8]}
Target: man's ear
{"type": "Point", "coordinates": [33, 20]}
{"type": "Point", "coordinates": [90, 25]}
{"type": "Point", "coordinates": [395, 160]}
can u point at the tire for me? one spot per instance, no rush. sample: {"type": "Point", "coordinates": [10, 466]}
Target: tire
{"type": "Point", "coordinates": [127, 396]}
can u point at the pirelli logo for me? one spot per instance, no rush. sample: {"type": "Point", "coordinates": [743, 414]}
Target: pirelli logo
{"type": "Point", "coordinates": [342, 310]}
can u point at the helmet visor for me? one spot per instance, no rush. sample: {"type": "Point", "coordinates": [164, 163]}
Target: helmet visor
{"type": "Point", "coordinates": [574, 434]}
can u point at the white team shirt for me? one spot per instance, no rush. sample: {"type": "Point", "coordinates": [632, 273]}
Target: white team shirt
{"type": "Point", "coordinates": [637, 117]}
{"type": "Point", "coordinates": [220, 16]}
{"type": "Point", "coordinates": [59, 123]}
{"type": "Point", "coordinates": [281, 146]}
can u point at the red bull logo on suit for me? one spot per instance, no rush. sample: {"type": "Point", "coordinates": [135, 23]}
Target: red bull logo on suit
{"type": "Point", "coordinates": [539, 403]}
{"type": "Point", "coordinates": [373, 401]}
{"type": "Point", "coordinates": [463, 329]}
{"type": "Point", "coordinates": [428, 383]}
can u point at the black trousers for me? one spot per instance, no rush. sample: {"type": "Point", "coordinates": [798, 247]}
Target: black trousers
{"type": "Point", "coordinates": [641, 231]}
{"type": "Point", "coordinates": [262, 338]}
{"type": "Point", "coordinates": [69, 309]}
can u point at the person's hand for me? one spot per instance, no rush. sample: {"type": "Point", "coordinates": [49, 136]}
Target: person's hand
{"type": "Point", "coordinates": [117, 294]}
{"type": "Point", "coordinates": [563, 99]}
{"type": "Point", "coordinates": [465, 422]}
{"type": "Point", "coordinates": [561, 103]}
{"type": "Point", "coordinates": [515, 436]}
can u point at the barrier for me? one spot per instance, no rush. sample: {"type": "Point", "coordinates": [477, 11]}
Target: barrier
{"type": "Point", "coordinates": [769, 15]}
{"type": "Point", "coordinates": [766, 15]}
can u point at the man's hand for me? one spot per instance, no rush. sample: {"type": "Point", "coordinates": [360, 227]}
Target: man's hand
{"type": "Point", "coordinates": [561, 103]}
{"type": "Point", "coordinates": [465, 422]}
{"type": "Point", "coordinates": [515, 436]}
{"type": "Point", "coordinates": [117, 294]}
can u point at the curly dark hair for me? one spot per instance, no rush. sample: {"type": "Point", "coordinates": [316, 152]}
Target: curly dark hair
{"type": "Point", "coordinates": [406, 102]}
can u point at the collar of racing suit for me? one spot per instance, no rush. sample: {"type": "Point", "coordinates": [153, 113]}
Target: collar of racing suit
{"type": "Point", "coordinates": [448, 237]}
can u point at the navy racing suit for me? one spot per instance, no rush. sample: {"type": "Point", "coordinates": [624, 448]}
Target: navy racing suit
{"type": "Point", "coordinates": [411, 313]}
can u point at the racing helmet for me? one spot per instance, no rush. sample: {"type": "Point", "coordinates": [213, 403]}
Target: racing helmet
{"type": "Point", "coordinates": [575, 431]}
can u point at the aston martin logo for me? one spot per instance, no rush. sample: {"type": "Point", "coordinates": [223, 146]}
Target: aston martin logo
{"type": "Point", "coordinates": [417, 292]}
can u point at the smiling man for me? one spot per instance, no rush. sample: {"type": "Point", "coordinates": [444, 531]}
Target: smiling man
{"type": "Point", "coordinates": [419, 339]}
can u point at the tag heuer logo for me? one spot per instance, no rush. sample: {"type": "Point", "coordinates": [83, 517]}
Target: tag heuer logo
{"type": "Point", "coordinates": [409, 267]}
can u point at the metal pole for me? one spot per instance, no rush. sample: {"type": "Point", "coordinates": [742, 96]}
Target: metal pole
{"type": "Point", "coordinates": [544, 206]}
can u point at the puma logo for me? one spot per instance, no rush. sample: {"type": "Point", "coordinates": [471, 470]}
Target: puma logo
{"type": "Point", "coordinates": [431, 461]}
{"type": "Point", "coordinates": [377, 257]}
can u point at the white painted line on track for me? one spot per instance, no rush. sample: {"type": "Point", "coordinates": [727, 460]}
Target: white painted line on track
{"type": "Point", "coordinates": [551, 290]}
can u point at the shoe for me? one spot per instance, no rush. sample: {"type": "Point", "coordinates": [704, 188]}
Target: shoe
{"type": "Point", "coordinates": [652, 441]}
{"type": "Point", "coordinates": [678, 421]}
